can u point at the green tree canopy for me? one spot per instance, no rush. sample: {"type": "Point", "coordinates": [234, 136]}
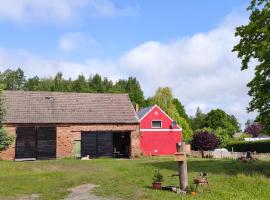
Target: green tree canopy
{"type": "Point", "coordinates": [165, 100]}
{"type": "Point", "coordinates": [13, 79]}
{"type": "Point", "coordinates": [254, 45]}
{"type": "Point", "coordinates": [181, 109]}
{"type": "Point", "coordinates": [133, 88]}
{"type": "Point", "coordinates": [217, 119]}
{"type": "Point", "coordinates": [198, 122]}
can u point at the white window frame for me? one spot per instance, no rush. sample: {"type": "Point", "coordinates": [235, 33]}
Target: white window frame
{"type": "Point", "coordinates": [156, 120]}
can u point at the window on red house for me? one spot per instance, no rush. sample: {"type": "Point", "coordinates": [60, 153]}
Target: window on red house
{"type": "Point", "coordinates": [156, 124]}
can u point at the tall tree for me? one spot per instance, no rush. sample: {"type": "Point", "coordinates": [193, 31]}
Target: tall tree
{"type": "Point", "coordinates": [254, 44]}
{"type": "Point", "coordinates": [32, 84]}
{"type": "Point", "coordinates": [198, 122]}
{"type": "Point", "coordinates": [181, 109]}
{"type": "Point", "coordinates": [13, 79]}
{"type": "Point", "coordinates": [133, 88]}
{"type": "Point", "coordinates": [217, 118]}
{"type": "Point", "coordinates": [80, 84]}
{"type": "Point", "coordinates": [97, 84]}
{"type": "Point", "coordinates": [164, 99]}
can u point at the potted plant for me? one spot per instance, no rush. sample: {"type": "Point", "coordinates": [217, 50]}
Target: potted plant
{"type": "Point", "coordinates": [157, 180]}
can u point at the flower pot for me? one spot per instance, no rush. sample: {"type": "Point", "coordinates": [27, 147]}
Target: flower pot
{"type": "Point", "coordinates": [156, 185]}
{"type": "Point", "coordinates": [193, 194]}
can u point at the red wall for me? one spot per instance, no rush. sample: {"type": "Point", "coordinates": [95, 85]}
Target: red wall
{"type": "Point", "coordinates": [158, 141]}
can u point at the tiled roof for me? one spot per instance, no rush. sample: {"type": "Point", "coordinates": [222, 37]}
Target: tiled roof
{"type": "Point", "coordinates": [63, 107]}
{"type": "Point", "coordinates": [143, 111]}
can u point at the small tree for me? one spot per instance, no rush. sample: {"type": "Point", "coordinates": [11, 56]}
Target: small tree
{"type": "Point", "coordinates": [5, 139]}
{"type": "Point", "coordinates": [254, 129]}
{"type": "Point", "coordinates": [204, 141]}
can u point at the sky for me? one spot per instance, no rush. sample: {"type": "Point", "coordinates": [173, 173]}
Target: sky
{"type": "Point", "coordinates": [185, 45]}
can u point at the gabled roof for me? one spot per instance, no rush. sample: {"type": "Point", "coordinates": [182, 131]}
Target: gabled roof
{"type": "Point", "coordinates": [142, 112]}
{"type": "Point", "coordinates": [63, 107]}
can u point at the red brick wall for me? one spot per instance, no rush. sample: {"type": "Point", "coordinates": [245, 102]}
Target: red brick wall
{"type": "Point", "coordinates": [67, 133]}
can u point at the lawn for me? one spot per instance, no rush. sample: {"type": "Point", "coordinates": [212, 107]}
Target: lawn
{"type": "Point", "coordinates": [130, 179]}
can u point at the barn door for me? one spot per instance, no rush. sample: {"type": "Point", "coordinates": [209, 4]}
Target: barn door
{"type": "Point", "coordinates": [89, 144]}
{"type": "Point", "coordinates": [25, 142]}
{"type": "Point", "coordinates": [104, 141]}
{"type": "Point", "coordinates": [46, 142]}
{"type": "Point", "coordinates": [96, 144]}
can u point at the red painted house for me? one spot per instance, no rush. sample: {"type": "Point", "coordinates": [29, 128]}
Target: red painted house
{"type": "Point", "coordinates": [159, 133]}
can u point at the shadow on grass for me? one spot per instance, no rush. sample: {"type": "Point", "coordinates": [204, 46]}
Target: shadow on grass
{"type": "Point", "coordinates": [228, 167]}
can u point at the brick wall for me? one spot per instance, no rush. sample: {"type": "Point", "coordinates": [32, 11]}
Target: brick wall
{"type": "Point", "coordinates": [67, 133]}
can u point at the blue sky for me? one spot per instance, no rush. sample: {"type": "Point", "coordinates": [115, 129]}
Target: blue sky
{"type": "Point", "coordinates": [147, 20]}
{"type": "Point", "coordinates": [185, 45]}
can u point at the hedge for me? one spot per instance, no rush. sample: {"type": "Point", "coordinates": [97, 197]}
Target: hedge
{"type": "Point", "coordinates": [262, 146]}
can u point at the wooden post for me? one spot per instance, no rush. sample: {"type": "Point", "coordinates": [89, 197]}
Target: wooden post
{"type": "Point", "coordinates": [182, 167]}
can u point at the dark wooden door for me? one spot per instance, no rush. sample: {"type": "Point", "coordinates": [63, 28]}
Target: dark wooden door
{"type": "Point", "coordinates": [96, 144]}
{"type": "Point", "coordinates": [89, 144]}
{"type": "Point", "coordinates": [105, 144]}
{"type": "Point", "coordinates": [46, 143]}
{"type": "Point", "coordinates": [25, 142]}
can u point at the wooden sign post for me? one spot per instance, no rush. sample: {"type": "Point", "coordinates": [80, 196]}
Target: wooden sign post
{"type": "Point", "coordinates": [182, 166]}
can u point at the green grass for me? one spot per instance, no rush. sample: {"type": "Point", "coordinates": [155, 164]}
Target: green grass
{"type": "Point", "coordinates": [131, 179]}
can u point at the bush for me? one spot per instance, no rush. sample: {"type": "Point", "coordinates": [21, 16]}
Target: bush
{"type": "Point", "coordinates": [254, 129]}
{"type": "Point", "coordinates": [244, 135]}
{"type": "Point", "coordinates": [262, 146]}
{"type": "Point", "coordinates": [204, 141]}
{"type": "Point", "coordinates": [5, 139]}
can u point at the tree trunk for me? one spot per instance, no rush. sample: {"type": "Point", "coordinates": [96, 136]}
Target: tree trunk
{"type": "Point", "coordinates": [202, 152]}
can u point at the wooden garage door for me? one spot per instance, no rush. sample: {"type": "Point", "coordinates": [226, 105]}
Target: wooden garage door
{"type": "Point", "coordinates": [96, 144]}
{"type": "Point", "coordinates": [35, 142]}
{"type": "Point", "coordinates": [25, 142]}
{"type": "Point", "coordinates": [46, 142]}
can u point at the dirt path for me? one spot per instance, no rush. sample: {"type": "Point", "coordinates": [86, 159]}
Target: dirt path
{"type": "Point", "coordinates": [83, 192]}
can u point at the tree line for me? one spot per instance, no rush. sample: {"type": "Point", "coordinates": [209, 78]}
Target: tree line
{"type": "Point", "coordinates": [216, 121]}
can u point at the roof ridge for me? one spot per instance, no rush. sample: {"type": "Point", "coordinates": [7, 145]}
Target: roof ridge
{"type": "Point", "coordinates": [60, 92]}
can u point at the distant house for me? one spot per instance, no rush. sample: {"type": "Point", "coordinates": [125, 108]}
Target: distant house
{"type": "Point", "coordinates": [159, 132]}
{"type": "Point", "coordinates": [49, 125]}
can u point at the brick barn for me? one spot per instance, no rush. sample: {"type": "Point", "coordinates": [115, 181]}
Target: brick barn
{"type": "Point", "coordinates": [158, 132]}
{"type": "Point", "coordinates": [49, 125]}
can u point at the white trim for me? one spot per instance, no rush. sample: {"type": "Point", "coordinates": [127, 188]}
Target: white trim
{"type": "Point", "coordinates": [162, 112]}
{"type": "Point", "coordinates": [156, 120]}
{"type": "Point", "coordinates": [147, 113]}
{"type": "Point", "coordinates": [160, 130]}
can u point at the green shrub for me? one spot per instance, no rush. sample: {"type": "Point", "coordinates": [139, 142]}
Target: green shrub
{"type": "Point", "coordinates": [244, 135]}
{"type": "Point", "coordinates": [262, 146]}
{"type": "Point", "coordinates": [158, 177]}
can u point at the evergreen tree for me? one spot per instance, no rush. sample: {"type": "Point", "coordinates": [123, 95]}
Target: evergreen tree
{"type": "Point", "coordinates": [5, 139]}
{"type": "Point", "coordinates": [198, 122]}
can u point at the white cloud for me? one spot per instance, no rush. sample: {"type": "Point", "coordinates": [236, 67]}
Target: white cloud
{"type": "Point", "coordinates": [201, 69]}
{"type": "Point", "coordinates": [106, 8]}
{"type": "Point", "coordinates": [59, 10]}
{"type": "Point", "coordinates": [76, 41]}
